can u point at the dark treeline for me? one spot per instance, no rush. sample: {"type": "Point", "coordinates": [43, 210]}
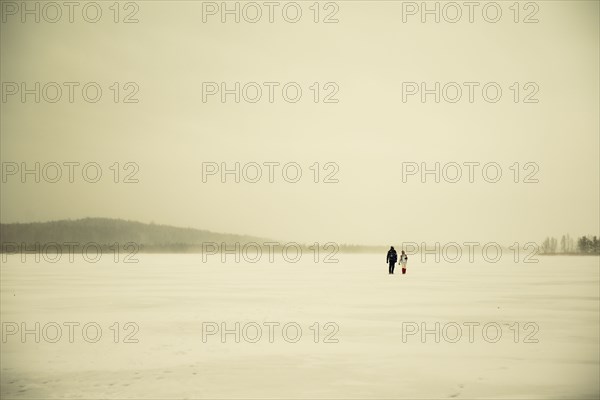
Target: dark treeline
{"type": "Point", "coordinates": [105, 232]}
{"type": "Point", "coordinates": [112, 235]}
{"type": "Point", "coordinates": [568, 245]}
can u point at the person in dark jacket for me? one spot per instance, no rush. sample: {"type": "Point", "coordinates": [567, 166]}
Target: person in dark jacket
{"type": "Point", "coordinates": [391, 258]}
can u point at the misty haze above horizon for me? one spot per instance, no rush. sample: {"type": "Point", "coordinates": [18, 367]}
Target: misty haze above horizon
{"type": "Point", "coordinates": [171, 132]}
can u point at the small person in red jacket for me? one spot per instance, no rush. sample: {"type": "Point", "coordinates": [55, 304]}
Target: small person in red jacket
{"type": "Point", "coordinates": [403, 261]}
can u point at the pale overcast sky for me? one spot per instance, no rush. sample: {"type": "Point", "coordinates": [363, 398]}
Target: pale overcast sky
{"type": "Point", "coordinates": [368, 133]}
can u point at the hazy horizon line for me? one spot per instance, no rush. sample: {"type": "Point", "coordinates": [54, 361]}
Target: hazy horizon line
{"type": "Point", "coordinates": [503, 245]}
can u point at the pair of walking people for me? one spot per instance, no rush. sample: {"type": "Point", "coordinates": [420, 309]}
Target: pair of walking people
{"type": "Point", "coordinates": [392, 258]}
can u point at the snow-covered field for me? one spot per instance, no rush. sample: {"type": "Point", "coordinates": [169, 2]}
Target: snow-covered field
{"type": "Point", "coordinates": [369, 325]}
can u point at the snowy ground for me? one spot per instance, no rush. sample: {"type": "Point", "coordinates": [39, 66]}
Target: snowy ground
{"type": "Point", "coordinates": [171, 300]}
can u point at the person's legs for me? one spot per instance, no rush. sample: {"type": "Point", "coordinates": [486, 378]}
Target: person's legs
{"type": "Point", "coordinates": [403, 268]}
{"type": "Point", "coordinates": [392, 266]}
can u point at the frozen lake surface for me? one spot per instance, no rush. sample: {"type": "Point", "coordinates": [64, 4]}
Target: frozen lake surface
{"type": "Point", "coordinates": [369, 325]}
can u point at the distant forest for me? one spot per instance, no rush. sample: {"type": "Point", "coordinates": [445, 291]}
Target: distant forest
{"type": "Point", "coordinates": [567, 245]}
{"type": "Point", "coordinates": [106, 232]}
{"type": "Point", "coordinates": [154, 238]}
{"type": "Point", "coordinates": [73, 235]}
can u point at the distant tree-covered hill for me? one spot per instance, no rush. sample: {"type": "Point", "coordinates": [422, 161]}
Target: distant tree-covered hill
{"type": "Point", "coordinates": [105, 231]}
